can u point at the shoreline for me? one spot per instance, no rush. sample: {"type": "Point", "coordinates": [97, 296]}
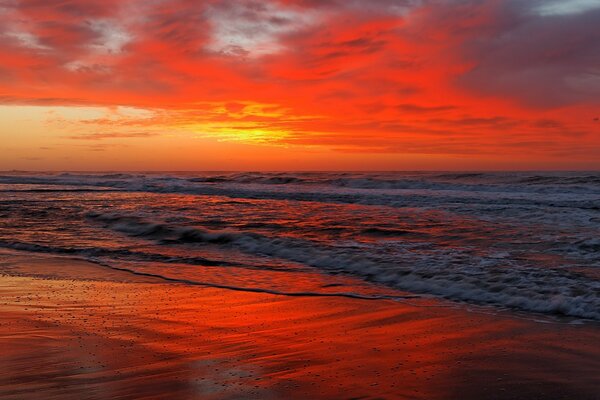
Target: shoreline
{"type": "Point", "coordinates": [108, 335]}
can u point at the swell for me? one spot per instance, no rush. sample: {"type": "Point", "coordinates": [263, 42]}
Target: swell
{"type": "Point", "coordinates": [451, 273]}
{"type": "Point", "coordinates": [265, 179]}
{"type": "Point", "coordinates": [563, 180]}
{"type": "Point", "coordinates": [408, 181]}
{"type": "Point", "coordinates": [489, 196]}
{"type": "Point", "coordinates": [435, 181]}
{"type": "Point", "coordinates": [137, 227]}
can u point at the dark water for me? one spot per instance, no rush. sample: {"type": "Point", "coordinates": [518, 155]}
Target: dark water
{"type": "Point", "coordinates": [525, 241]}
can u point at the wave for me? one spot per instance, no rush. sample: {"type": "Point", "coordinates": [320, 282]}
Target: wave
{"type": "Point", "coordinates": [386, 232]}
{"type": "Point", "coordinates": [457, 198]}
{"type": "Point", "coordinates": [462, 175]}
{"type": "Point", "coordinates": [136, 227]}
{"type": "Point", "coordinates": [253, 178]}
{"type": "Point", "coordinates": [440, 181]}
{"type": "Point", "coordinates": [492, 193]}
{"type": "Point", "coordinates": [451, 273]}
{"type": "Point", "coordinates": [563, 210]}
{"type": "Point", "coordinates": [130, 255]}
{"type": "Point", "coordinates": [103, 252]}
{"type": "Point", "coordinates": [561, 180]}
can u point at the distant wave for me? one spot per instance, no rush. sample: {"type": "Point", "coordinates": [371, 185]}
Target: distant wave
{"type": "Point", "coordinates": [254, 178]}
{"type": "Point", "coordinates": [441, 181]}
{"type": "Point", "coordinates": [418, 191]}
{"type": "Point", "coordinates": [409, 181]}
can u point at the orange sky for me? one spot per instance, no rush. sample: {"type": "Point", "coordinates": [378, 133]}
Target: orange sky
{"type": "Point", "coordinates": [299, 84]}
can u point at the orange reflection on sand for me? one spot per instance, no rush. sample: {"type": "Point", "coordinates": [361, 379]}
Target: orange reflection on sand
{"type": "Point", "coordinates": [190, 341]}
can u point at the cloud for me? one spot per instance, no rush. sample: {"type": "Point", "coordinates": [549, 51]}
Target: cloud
{"type": "Point", "coordinates": [41, 101]}
{"type": "Point", "coordinates": [415, 108]}
{"type": "Point", "coordinates": [562, 7]}
{"type": "Point", "coordinates": [111, 135]}
{"type": "Point", "coordinates": [425, 76]}
{"type": "Point", "coordinates": [252, 27]}
{"type": "Point", "coordinates": [26, 39]}
{"type": "Point", "coordinates": [541, 60]}
{"type": "Point", "coordinates": [111, 37]}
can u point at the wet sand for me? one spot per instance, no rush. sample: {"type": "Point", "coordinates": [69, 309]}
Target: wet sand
{"type": "Point", "coordinates": [73, 330]}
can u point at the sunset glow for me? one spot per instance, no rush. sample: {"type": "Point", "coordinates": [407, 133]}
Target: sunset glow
{"type": "Point", "coordinates": [299, 84]}
{"type": "Point", "coordinates": [299, 199]}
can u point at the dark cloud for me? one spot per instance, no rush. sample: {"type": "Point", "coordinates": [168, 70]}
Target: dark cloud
{"type": "Point", "coordinates": [416, 108]}
{"type": "Point", "coordinates": [543, 60]}
{"type": "Point", "coordinates": [42, 101]}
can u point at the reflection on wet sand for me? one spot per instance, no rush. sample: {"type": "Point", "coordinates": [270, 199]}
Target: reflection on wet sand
{"type": "Point", "coordinates": [142, 338]}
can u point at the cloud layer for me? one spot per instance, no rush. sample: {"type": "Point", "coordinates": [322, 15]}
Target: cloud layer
{"type": "Point", "coordinates": [461, 77]}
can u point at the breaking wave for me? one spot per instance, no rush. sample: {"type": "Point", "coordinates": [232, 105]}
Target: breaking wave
{"type": "Point", "coordinates": [419, 268]}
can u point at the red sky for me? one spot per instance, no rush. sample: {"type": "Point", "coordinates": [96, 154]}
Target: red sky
{"type": "Point", "coordinates": [299, 84]}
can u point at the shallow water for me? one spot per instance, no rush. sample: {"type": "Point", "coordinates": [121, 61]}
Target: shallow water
{"type": "Point", "coordinates": [526, 241]}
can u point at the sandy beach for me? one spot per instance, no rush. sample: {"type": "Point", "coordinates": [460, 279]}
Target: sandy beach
{"type": "Point", "coordinates": [92, 333]}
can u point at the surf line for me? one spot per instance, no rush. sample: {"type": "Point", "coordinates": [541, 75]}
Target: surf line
{"type": "Point", "coordinates": [254, 290]}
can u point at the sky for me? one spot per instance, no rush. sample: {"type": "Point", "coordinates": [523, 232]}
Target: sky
{"type": "Point", "coordinates": [299, 85]}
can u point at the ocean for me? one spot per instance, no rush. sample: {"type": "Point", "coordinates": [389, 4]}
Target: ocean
{"type": "Point", "coordinates": [527, 242]}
